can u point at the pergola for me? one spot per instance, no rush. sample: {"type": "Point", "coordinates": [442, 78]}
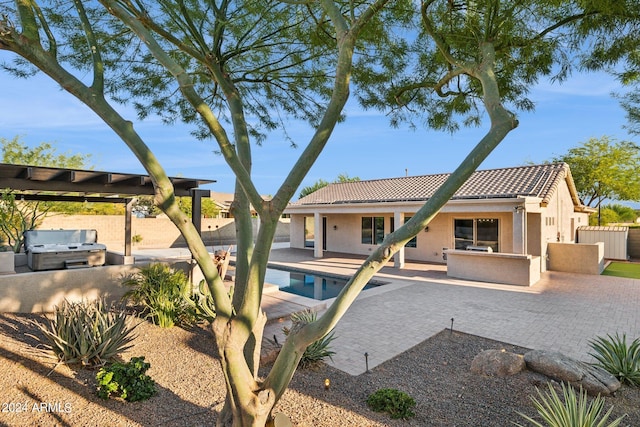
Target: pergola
{"type": "Point", "coordinates": [75, 185]}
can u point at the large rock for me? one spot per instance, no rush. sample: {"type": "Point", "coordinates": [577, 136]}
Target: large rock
{"type": "Point", "coordinates": [593, 379]}
{"type": "Point", "coordinates": [497, 363]}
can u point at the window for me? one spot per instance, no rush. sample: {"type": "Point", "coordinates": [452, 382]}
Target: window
{"type": "Point", "coordinates": [476, 232]}
{"type": "Point", "coordinates": [372, 230]}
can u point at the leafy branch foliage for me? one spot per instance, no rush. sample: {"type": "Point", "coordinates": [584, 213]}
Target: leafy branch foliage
{"type": "Point", "coordinates": [16, 217]}
{"type": "Point", "coordinates": [604, 168]}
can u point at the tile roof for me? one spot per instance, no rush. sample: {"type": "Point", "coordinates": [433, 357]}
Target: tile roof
{"type": "Point", "coordinates": [532, 181]}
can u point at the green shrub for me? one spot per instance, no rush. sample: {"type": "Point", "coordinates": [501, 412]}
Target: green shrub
{"type": "Point", "coordinates": [318, 350]}
{"type": "Point", "coordinates": [396, 403]}
{"type": "Point", "coordinates": [163, 293]}
{"type": "Point", "coordinates": [87, 333]}
{"type": "Point", "coordinates": [619, 359]}
{"type": "Point", "coordinates": [572, 411]}
{"type": "Point", "coordinates": [126, 380]}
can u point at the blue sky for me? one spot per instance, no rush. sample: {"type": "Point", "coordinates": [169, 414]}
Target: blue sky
{"type": "Point", "coordinates": [364, 146]}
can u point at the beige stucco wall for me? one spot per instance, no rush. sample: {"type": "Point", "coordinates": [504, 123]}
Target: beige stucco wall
{"type": "Point", "coordinates": [347, 235]}
{"type": "Point", "coordinates": [510, 269]}
{"type": "Point", "coordinates": [40, 291]}
{"type": "Point", "coordinates": [559, 222]}
{"type": "Point", "coordinates": [585, 258]}
{"type": "Point", "coordinates": [156, 232]}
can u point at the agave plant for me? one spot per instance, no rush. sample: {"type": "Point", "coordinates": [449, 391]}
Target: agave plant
{"type": "Point", "coordinates": [619, 359]}
{"type": "Point", "coordinates": [574, 410]}
{"type": "Point", "coordinates": [85, 332]}
{"type": "Point", "coordinates": [318, 350]}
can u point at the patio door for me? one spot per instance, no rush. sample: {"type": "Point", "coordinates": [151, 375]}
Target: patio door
{"type": "Point", "coordinates": [310, 232]}
{"type": "Point", "coordinates": [476, 232]}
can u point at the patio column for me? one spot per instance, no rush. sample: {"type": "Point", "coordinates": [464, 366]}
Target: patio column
{"type": "Point", "coordinates": [128, 210]}
{"type": "Point", "coordinates": [196, 207]}
{"type": "Point", "coordinates": [398, 258]}
{"type": "Point", "coordinates": [317, 235]}
{"type": "Point", "coordinates": [519, 227]}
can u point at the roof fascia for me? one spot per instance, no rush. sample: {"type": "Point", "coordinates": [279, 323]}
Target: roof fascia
{"type": "Point", "coordinates": [466, 205]}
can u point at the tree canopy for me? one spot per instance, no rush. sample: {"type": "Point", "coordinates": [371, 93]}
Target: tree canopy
{"type": "Point", "coordinates": [614, 43]}
{"type": "Point", "coordinates": [614, 214]}
{"type": "Point", "coordinates": [604, 169]}
{"type": "Point", "coordinates": [16, 152]}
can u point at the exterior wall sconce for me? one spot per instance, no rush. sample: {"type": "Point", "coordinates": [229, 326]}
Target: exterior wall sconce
{"type": "Point", "coordinates": [335, 227]}
{"type": "Point", "coordinates": [426, 229]}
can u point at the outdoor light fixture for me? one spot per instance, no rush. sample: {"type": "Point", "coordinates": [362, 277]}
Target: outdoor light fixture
{"type": "Point", "coordinates": [327, 383]}
{"type": "Point", "coordinates": [335, 227]}
{"type": "Point", "coordinates": [426, 229]}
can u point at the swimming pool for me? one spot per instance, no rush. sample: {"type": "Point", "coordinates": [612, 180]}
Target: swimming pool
{"type": "Point", "coordinates": [310, 285]}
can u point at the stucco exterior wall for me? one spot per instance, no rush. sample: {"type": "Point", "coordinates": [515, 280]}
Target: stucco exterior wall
{"type": "Point", "coordinates": [40, 291]}
{"type": "Point", "coordinates": [559, 222]}
{"type": "Point", "coordinates": [510, 269]}
{"type": "Point", "coordinates": [584, 258]}
{"type": "Point", "coordinates": [346, 237]}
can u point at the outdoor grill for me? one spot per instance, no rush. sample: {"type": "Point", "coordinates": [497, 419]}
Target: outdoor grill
{"type": "Point", "coordinates": [63, 249]}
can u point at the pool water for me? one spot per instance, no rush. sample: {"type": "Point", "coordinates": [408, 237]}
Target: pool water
{"type": "Point", "coordinates": [310, 285]}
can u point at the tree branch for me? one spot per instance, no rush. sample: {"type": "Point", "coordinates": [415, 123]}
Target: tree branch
{"type": "Point", "coordinates": [98, 64]}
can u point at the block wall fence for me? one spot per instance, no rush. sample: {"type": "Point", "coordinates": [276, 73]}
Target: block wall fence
{"type": "Point", "coordinates": [155, 233]}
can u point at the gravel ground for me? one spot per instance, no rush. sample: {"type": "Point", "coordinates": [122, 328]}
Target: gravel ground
{"type": "Point", "coordinates": [191, 388]}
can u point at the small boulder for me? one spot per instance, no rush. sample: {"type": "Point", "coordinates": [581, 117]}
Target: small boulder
{"type": "Point", "coordinates": [594, 380]}
{"type": "Point", "coordinates": [497, 363]}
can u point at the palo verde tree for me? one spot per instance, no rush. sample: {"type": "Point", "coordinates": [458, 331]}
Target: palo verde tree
{"type": "Point", "coordinates": [231, 68]}
{"type": "Point", "coordinates": [219, 64]}
{"type": "Point", "coordinates": [614, 43]}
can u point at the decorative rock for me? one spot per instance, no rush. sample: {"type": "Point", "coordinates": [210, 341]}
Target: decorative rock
{"type": "Point", "coordinates": [592, 379]}
{"type": "Point", "coordinates": [497, 363]}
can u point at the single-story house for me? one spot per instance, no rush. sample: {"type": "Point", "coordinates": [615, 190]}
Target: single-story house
{"type": "Point", "coordinates": [498, 217]}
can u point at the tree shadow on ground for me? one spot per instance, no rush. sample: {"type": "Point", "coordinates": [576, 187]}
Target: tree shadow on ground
{"type": "Point", "coordinates": [436, 373]}
{"type": "Point", "coordinates": [67, 397]}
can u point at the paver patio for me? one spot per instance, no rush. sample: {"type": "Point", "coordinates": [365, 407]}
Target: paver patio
{"type": "Point", "coordinates": [562, 312]}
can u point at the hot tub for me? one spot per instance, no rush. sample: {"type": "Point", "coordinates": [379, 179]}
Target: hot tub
{"type": "Point", "coordinates": [61, 249]}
